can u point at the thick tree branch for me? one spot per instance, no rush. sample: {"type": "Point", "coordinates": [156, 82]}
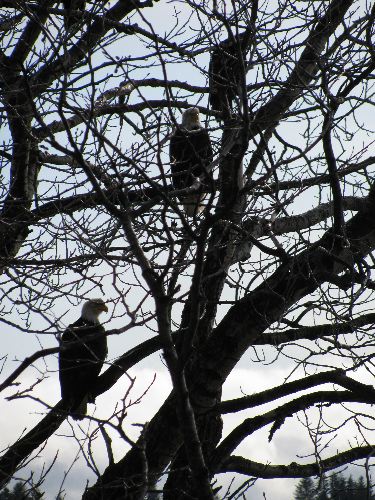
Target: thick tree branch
{"type": "Point", "coordinates": [334, 376]}
{"type": "Point", "coordinates": [278, 415]}
{"type": "Point", "coordinates": [313, 181]}
{"type": "Point", "coordinates": [258, 228]}
{"type": "Point", "coordinates": [268, 471]}
{"type": "Point", "coordinates": [81, 115]}
{"type": "Point", "coordinates": [317, 332]}
{"type": "Point", "coordinates": [31, 33]}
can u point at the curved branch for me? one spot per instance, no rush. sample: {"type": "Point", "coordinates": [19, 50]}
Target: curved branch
{"type": "Point", "coordinates": [314, 181]}
{"type": "Point", "coordinates": [316, 332]}
{"type": "Point", "coordinates": [338, 206]}
{"type": "Point", "coordinates": [278, 416]}
{"type": "Point", "coordinates": [260, 227]}
{"type": "Point", "coordinates": [25, 363]}
{"type": "Point", "coordinates": [267, 471]}
{"type": "Point", "coordinates": [315, 215]}
{"type": "Point", "coordinates": [264, 397]}
{"type": "Point", "coordinates": [113, 109]}
{"type": "Point", "coordinates": [126, 361]}
{"type": "Point", "coordinates": [79, 202]}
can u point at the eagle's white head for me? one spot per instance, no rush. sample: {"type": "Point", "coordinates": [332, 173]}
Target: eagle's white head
{"type": "Point", "coordinates": [92, 309]}
{"type": "Point", "coordinates": [190, 119]}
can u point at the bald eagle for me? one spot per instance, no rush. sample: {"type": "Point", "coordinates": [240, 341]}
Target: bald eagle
{"type": "Point", "coordinates": [190, 154]}
{"type": "Point", "coordinates": [71, 21]}
{"type": "Point", "coordinates": [225, 71]}
{"type": "Point", "coordinates": [84, 349]}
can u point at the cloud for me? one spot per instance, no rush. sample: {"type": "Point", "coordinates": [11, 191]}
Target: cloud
{"type": "Point", "coordinates": [149, 388]}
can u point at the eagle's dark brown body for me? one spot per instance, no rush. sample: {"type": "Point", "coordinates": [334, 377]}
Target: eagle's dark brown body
{"type": "Point", "coordinates": [84, 350]}
{"type": "Point", "coordinates": [226, 71]}
{"type": "Point", "coordinates": [191, 154]}
{"type": "Point", "coordinates": [71, 6]}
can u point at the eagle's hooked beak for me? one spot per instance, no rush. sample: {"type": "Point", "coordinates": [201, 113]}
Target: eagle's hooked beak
{"type": "Point", "coordinates": [103, 307]}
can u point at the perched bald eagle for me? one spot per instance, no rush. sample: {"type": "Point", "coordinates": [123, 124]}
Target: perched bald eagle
{"type": "Point", "coordinates": [190, 153]}
{"type": "Point", "coordinates": [70, 20]}
{"type": "Point", "coordinates": [84, 350]}
{"type": "Point", "coordinates": [226, 71]}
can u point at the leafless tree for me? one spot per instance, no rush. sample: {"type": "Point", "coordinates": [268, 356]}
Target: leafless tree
{"type": "Point", "coordinates": [279, 265]}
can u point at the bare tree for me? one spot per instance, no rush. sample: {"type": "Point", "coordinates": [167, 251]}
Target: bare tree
{"type": "Point", "coordinates": [280, 260]}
